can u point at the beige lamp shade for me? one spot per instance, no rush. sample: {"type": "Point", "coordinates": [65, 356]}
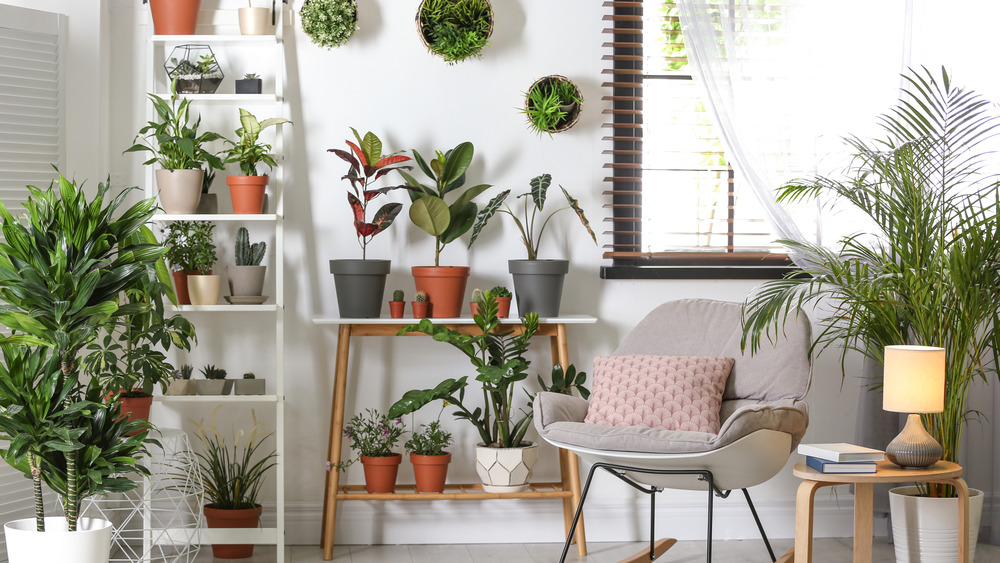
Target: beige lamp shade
{"type": "Point", "coordinates": [913, 379]}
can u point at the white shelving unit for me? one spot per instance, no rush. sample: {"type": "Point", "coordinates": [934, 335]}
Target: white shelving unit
{"type": "Point", "coordinates": [224, 35]}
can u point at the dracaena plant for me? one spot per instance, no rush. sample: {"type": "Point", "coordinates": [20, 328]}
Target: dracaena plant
{"type": "Point", "coordinates": [246, 150]}
{"type": "Point", "coordinates": [526, 220]}
{"type": "Point", "coordinates": [429, 210]}
{"type": "Point", "coordinates": [368, 165]}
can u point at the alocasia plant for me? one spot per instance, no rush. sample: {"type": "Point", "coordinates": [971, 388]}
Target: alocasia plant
{"type": "Point", "coordinates": [368, 164]}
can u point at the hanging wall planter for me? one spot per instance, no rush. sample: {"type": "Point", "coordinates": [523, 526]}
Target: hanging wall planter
{"type": "Point", "coordinates": [455, 29]}
{"type": "Point", "coordinates": [195, 69]}
{"type": "Point", "coordinates": [552, 104]}
{"type": "Point", "coordinates": [329, 23]}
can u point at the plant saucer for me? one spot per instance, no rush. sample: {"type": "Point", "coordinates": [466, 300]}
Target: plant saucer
{"type": "Point", "coordinates": [246, 299]}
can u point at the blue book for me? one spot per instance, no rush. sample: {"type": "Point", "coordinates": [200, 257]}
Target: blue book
{"type": "Point", "coordinates": [827, 466]}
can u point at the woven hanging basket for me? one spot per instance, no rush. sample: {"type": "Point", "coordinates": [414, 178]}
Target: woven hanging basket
{"type": "Point", "coordinates": [572, 114]}
{"type": "Point", "coordinates": [423, 39]}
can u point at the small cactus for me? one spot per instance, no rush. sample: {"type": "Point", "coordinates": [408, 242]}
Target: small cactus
{"type": "Point", "coordinates": [250, 76]}
{"type": "Point", "coordinates": [421, 297]}
{"type": "Point", "coordinates": [249, 375]}
{"type": "Point", "coordinates": [248, 254]}
{"type": "Point", "coordinates": [398, 295]}
{"type": "Point", "coordinates": [185, 371]}
{"type": "Point", "coordinates": [212, 372]}
{"type": "Point", "coordinates": [500, 291]}
{"type": "Point", "coordinates": [477, 295]}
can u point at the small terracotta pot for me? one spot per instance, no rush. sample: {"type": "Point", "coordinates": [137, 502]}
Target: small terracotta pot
{"type": "Point", "coordinates": [419, 309]}
{"type": "Point", "coordinates": [238, 518]}
{"type": "Point", "coordinates": [380, 472]}
{"type": "Point", "coordinates": [137, 408]}
{"type": "Point", "coordinates": [181, 286]}
{"type": "Point", "coordinates": [473, 308]}
{"type": "Point", "coordinates": [175, 17]}
{"type": "Point", "coordinates": [430, 471]}
{"type": "Point", "coordinates": [503, 307]}
{"type": "Point", "coordinates": [247, 193]}
{"type": "Point", "coordinates": [396, 309]}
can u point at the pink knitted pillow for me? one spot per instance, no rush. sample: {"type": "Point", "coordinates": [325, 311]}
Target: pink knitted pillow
{"type": "Point", "coordinates": [669, 392]}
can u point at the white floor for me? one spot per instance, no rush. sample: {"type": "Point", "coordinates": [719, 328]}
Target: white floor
{"type": "Point", "coordinates": [828, 550]}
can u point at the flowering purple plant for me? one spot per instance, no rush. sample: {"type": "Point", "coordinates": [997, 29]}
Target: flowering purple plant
{"type": "Point", "coordinates": [373, 434]}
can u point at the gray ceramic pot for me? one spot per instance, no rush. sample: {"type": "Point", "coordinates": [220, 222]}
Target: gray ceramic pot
{"type": "Point", "coordinates": [538, 285]}
{"type": "Point", "coordinates": [246, 280]}
{"type": "Point", "coordinates": [360, 285]}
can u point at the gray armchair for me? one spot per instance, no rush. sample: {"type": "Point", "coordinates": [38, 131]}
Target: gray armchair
{"type": "Point", "coordinates": [763, 415]}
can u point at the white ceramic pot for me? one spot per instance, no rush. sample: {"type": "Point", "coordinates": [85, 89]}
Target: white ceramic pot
{"type": "Point", "coordinates": [204, 290]}
{"type": "Point", "coordinates": [505, 470]}
{"type": "Point", "coordinates": [925, 529]}
{"type": "Point", "coordinates": [90, 543]}
{"type": "Point", "coordinates": [255, 21]}
{"type": "Point", "coordinates": [180, 190]}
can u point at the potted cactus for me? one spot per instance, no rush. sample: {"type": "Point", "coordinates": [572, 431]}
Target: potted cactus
{"type": "Point", "coordinates": [477, 298]}
{"type": "Point", "coordinates": [397, 304]}
{"type": "Point", "coordinates": [249, 385]}
{"type": "Point", "coordinates": [215, 382]}
{"type": "Point", "coordinates": [503, 297]}
{"type": "Point", "coordinates": [246, 277]}
{"type": "Point", "coordinates": [419, 305]}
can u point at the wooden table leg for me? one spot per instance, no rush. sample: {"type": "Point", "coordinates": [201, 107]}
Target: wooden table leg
{"type": "Point", "coordinates": [569, 465]}
{"type": "Point", "coordinates": [804, 520]}
{"type": "Point", "coordinates": [962, 489]}
{"type": "Point", "coordinates": [336, 435]}
{"type": "Point", "coordinates": [863, 507]}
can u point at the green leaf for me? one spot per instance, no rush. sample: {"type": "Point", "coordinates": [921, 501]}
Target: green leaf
{"type": "Point", "coordinates": [457, 163]}
{"type": "Point", "coordinates": [539, 186]}
{"type": "Point", "coordinates": [431, 214]}
{"type": "Point", "coordinates": [486, 213]}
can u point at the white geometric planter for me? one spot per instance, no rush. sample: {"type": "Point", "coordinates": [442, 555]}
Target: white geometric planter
{"type": "Point", "coordinates": [90, 543]}
{"type": "Point", "coordinates": [505, 470]}
{"type": "Point", "coordinates": [925, 529]}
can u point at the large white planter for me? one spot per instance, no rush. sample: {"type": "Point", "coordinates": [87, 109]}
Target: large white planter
{"type": "Point", "coordinates": [925, 529]}
{"type": "Point", "coordinates": [505, 470]}
{"type": "Point", "coordinates": [91, 543]}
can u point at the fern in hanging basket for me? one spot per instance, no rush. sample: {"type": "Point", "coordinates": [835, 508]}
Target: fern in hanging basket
{"type": "Point", "coordinates": [329, 23]}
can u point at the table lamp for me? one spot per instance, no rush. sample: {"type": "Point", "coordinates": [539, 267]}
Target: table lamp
{"type": "Point", "coordinates": [913, 382]}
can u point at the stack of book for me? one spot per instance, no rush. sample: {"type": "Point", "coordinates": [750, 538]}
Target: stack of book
{"type": "Point", "coordinates": [841, 458]}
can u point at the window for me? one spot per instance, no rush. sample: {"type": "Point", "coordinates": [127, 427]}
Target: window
{"type": "Point", "coordinates": [678, 209]}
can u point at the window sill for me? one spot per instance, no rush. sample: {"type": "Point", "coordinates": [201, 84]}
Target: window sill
{"type": "Point", "coordinates": [699, 272]}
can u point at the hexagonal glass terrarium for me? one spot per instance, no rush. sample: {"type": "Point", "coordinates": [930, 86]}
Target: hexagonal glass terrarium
{"type": "Point", "coordinates": [195, 69]}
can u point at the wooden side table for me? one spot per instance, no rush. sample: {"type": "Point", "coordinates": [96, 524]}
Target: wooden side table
{"type": "Point", "coordinates": [567, 489]}
{"type": "Point", "coordinates": [941, 472]}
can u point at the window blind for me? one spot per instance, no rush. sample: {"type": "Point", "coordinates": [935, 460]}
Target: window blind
{"type": "Point", "coordinates": [30, 121]}
{"type": "Point", "coordinates": [674, 199]}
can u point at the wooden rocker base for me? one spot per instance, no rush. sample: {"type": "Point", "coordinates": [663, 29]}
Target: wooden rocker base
{"type": "Point", "coordinates": [788, 556]}
{"type": "Point", "coordinates": [659, 548]}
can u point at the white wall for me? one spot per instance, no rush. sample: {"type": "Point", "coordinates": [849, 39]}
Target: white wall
{"type": "Point", "coordinates": [384, 81]}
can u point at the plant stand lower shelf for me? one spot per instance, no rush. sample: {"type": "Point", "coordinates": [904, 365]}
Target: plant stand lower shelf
{"type": "Point", "coordinates": [567, 489]}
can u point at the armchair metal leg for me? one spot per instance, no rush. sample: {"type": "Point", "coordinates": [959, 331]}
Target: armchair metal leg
{"type": "Point", "coordinates": [760, 527]}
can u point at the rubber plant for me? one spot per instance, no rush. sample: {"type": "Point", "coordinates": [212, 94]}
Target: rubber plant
{"type": "Point", "coordinates": [368, 165]}
{"type": "Point", "coordinates": [62, 269]}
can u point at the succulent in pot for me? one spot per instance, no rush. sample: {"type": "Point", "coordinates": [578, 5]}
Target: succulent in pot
{"type": "Point", "coordinates": [397, 304]}
{"type": "Point", "coordinates": [215, 382]}
{"type": "Point", "coordinates": [360, 284]}
{"type": "Point", "coordinates": [246, 277]}
{"type": "Point", "coordinates": [194, 69]}
{"type": "Point", "coordinates": [247, 190]}
{"type": "Point", "coordinates": [251, 83]}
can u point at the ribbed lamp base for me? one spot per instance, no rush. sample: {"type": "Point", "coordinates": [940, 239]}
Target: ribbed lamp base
{"type": "Point", "coordinates": [914, 447]}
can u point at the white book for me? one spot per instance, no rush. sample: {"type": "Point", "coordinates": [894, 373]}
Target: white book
{"type": "Point", "coordinates": [841, 452]}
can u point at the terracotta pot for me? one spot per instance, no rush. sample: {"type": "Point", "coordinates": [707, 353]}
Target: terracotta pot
{"type": "Point", "coordinates": [445, 288]}
{"type": "Point", "coordinates": [503, 307]}
{"type": "Point", "coordinates": [380, 472]}
{"type": "Point", "coordinates": [137, 408]}
{"type": "Point", "coordinates": [247, 193]}
{"type": "Point", "coordinates": [430, 471]}
{"type": "Point", "coordinates": [473, 308]}
{"type": "Point", "coordinates": [419, 309]}
{"type": "Point", "coordinates": [238, 518]}
{"type": "Point", "coordinates": [204, 289]}
{"type": "Point", "coordinates": [175, 17]}
{"type": "Point", "coordinates": [179, 190]}
{"type": "Point", "coordinates": [255, 21]}
{"type": "Point", "coordinates": [181, 287]}
{"type": "Point", "coordinates": [396, 309]}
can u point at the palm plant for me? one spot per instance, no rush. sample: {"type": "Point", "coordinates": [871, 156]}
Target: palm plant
{"type": "Point", "coordinates": [928, 271]}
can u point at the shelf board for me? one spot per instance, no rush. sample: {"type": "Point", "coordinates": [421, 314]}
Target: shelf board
{"type": "Point", "coordinates": [167, 217]}
{"type": "Point", "coordinates": [223, 307]}
{"type": "Point", "coordinates": [454, 492]}
{"type": "Point", "coordinates": [216, 398]}
{"type": "Point", "coordinates": [561, 319]}
{"type": "Point", "coordinates": [246, 98]}
{"type": "Point", "coordinates": [228, 38]}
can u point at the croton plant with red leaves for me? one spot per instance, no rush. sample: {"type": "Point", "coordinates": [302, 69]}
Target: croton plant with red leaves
{"type": "Point", "coordinates": [368, 164]}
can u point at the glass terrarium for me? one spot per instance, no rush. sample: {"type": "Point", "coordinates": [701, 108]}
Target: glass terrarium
{"type": "Point", "coordinates": [195, 69]}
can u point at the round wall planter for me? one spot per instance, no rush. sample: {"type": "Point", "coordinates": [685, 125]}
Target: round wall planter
{"type": "Point", "coordinates": [247, 193]}
{"type": "Point", "coordinates": [180, 190]}
{"type": "Point", "coordinates": [204, 289]}
{"type": "Point", "coordinates": [380, 472]}
{"type": "Point", "coordinates": [246, 280]}
{"type": "Point", "coordinates": [505, 470]}
{"type": "Point", "coordinates": [90, 543]}
{"type": "Point", "coordinates": [254, 21]}
{"type": "Point", "coordinates": [538, 285]}
{"type": "Point", "coordinates": [925, 529]}
{"type": "Point", "coordinates": [424, 30]}
{"type": "Point", "coordinates": [445, 289]}
{"type": "Point", "coordinates": [571, 109]}
{"type": "Point", "coordinates": [237, 518]}
{"type": "Point", "coordinates": [430, 471]}
{"type": "Point", "coordinates": [174, 17]}
{"type": "Point", "coordinates": [360, 286]}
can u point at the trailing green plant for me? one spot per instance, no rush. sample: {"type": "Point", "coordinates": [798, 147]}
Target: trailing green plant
{"type": "Point", "coordinates": [190, 247]}
{"type": "Point", "coordinates": [927, 271]}
{"type": "Point", "coordinates": [247, 151]}
{"type": "Point", "coordinates": [367, 165]}
{"type": "Point", "coordinates": [498, 358]}
{"type": "Point", "coordinates": [212, 372]}
{"type": "Point", "coordinates": [372, 435]}
{"type": "Point", "coordinates": [432, 440]}
{"type": "Point", "coordinates": [430, 211]}
{"type": "Point", "coordinates": [550, 103]}
{"type": "Point", "coordinates": [62, 268]}
{"type": "Point", "coordinates": [173, 141]}
{"type": "Point", "coordinates": [526, 221]}
{"type": "Point", "coordinates": [248, 254]}
{"type": "Point", "coordinates": [456, 29]}
{"type": "Point", "coordinates": [500, 291]}
{"type": "Point", "coordinates": [233, 475]}
{"type": "Point", "coordinates": [398, 296]}
{"type": "Point", "coordinates": [329, 23]}
{"type": "Point", "coordinates": [421, 297]}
